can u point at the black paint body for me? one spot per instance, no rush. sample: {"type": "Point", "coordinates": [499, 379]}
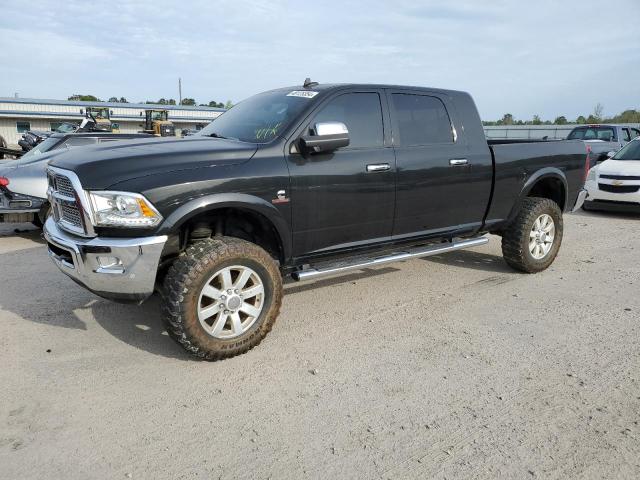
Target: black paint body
{"type": "Point", "coordinates": [335, 207]}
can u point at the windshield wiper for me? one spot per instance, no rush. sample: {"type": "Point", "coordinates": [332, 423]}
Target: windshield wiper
{"type": "Point", "coordinates": [217, 135]}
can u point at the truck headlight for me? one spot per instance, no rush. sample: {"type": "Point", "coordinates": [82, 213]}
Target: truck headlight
{"type": "Point", "coordinates": [591, 177]}
{"type": "Point", "coordinates": [123, 209]}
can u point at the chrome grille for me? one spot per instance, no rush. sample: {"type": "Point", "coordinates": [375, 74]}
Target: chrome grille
{"type": "Point", "coordinates": [64, 202]}
{"type": "Point", "coordinates": [70, 214]}
{"type": "Point", "coordinates": [63, 186]}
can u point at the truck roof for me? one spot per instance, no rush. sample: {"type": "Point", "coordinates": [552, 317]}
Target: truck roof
{"type": "Point", "coordinates": [320, 87]}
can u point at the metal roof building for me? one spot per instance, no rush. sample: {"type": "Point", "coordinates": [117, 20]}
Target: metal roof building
{"type": "Point", "coordinates": [17, 115]}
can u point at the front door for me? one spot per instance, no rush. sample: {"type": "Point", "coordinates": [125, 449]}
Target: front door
{"type": "Point", "coordinates": [442, 184]}
{"type": "Point", "coordinates": [344, 198]}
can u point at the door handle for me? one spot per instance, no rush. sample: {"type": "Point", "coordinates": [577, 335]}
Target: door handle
{"type": "Point", "coordinates": [457, 162]}
{"type": "Point", "coordinates": [378, 167]}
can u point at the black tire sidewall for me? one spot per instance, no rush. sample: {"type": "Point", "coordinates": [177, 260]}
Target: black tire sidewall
{"type": "Point", "coordinates": [192, 325]}
{"type": "Point", "coordinates": [541, 209]}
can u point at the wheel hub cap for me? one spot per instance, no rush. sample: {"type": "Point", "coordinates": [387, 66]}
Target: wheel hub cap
{"type": "Point", "coordinates": [234, 303]}
{"type": "Point", "coordinates": [542, 236]}
{"type": "Point", "coordinates": [231, 301]}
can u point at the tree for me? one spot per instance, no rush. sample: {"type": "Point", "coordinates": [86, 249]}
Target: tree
{"type": "Point", "coordinates": [113, 99]}
{"type": "Point", "coordinates": [228, 105]}
{"type": "Point", "coordinates": [536, 120]}
{"type": "Point", "coordinates": [123, 100]}
{"type": "Point", "coordinates": [84, 98]}
{"type": "Point", "coordinates": [215, 104]}
{"type": "Point", "coordinates": [507, 119]}
{"type": "Point", "coordinates": [561, 120]}
{"type": "Point", "coordinates": [118, 100]}
{"type": "Point", "coordinates": [581, 120]}
{"type": "Point", "coordinates": [597, 113]}
{"type": "Point", "coordinates": [592, 119]}
{"type": "Point", "coordinates": [188, 101]}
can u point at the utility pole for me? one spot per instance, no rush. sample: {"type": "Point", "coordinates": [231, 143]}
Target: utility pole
{"type": "Point", "coordinates": [180, 91]}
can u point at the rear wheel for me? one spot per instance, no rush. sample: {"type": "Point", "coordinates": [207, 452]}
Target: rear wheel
{"type": "Point", "coordinates": [221, 297]}
{"type": "Point", "coordinates": [532, 240]}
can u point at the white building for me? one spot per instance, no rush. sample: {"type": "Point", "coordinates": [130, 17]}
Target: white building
{"type": "Point", "coordinates": [17, 115]}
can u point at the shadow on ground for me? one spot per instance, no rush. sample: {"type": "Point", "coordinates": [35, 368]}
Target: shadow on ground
{"type": "Point", "coordinates": [34, 290]}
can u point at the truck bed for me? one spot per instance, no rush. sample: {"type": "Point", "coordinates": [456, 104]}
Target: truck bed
{"type": "Point", "coordinates": [519, 162]}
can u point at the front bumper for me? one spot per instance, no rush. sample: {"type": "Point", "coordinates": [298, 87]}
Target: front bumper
{"type": "Point", "coordinates": [120, 269]}
{"type": "Point", "coordinates": [19, 208]}
{"type": "Point", "coordinates": [598, 199]}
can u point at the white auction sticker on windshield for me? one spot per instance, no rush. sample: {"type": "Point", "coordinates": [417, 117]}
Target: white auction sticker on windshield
{"type": "Point", "coordinates": [302, 93]}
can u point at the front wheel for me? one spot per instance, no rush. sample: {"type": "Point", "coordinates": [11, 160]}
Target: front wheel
{"type": "Point", "coordinates": [532, 240]}
{"type": "Point", "coordinates": [221, 297]}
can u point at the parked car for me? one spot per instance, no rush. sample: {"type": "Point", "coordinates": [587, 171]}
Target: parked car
{"type": "Point", "coordinates": [615, 183]}
{"type": "Point", "coordinates": [32, 138]}
{"type": "Point", "coordinates": [603, 138]}
{"type": "Point", "coordinates": [23, 182]}
{"type": "Point", "coordinates": [300, 182]}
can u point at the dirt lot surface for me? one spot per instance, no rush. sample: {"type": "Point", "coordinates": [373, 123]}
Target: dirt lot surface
{"type": "Point", "coordinates": [447, 367]}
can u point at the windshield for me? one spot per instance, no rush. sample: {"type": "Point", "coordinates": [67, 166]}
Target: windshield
{"type": "Point", "coordinates": [631, 151]}
{"type": "Point", "coordinates": [159, 115]}
{"type": "Point", "coordinates": [258, 119]}
{"type": "Point", "coordinates": [99, 112]}
{"type": "Point", "coordinates": [66, 128]}
{"type": "Point", "coordinates": [592, 133]}
{"type": "Point", "coordinates": [39, 149]}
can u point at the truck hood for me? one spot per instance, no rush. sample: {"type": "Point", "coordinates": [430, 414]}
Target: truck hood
{"type": "Point", "coordinates": [619, 167]}
{"type": "Point", "coordinates": [99, 167]}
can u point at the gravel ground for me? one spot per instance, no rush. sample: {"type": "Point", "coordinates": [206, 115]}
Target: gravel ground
{"type": "Point", "coordinates": [447, 367]}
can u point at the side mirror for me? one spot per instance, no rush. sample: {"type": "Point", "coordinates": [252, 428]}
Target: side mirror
{"type": "Point", "coordinates": [611, 154]}
{"type": "Point", "coordinates": [329, 136]}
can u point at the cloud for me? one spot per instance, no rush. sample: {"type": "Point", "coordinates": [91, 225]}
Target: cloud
{"type": "Point", "coordinates": [547, 59]}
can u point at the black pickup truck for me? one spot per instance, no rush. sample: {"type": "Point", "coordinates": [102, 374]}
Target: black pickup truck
{"type": "Point", "coordinates": [300, 182]}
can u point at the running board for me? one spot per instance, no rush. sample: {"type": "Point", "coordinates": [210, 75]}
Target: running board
{"type": "Point", "coordinates": [396, 257]}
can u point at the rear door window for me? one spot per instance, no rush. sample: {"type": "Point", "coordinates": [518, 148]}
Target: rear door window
{"type": "Point", "coordinates": [626, 135]}
{"type": "Point", "coordinates": [361, 113]}
{"type": "Point", "coordinates": [421, 120]}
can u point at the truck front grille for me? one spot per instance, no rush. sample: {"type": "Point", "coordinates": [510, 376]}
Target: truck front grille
{"type": "Point", "coordinates": [63, 196]}
{"type": "Point", "coordinates": [605, 187]}
{"type": "Point", "coordinates": [63, 186]}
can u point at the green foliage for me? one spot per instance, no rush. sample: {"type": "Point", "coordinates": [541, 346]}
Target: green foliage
{"type": "Point", "coordinates": [84, 98]}
{"type": "Point", "coordinates": [228, 105]}
{"type": "Point", "coordinates": [118, 100]}
{"type": "Point", "coordinates": [188, 101]}
{"type": "Point", "coordinates": [628, 116]}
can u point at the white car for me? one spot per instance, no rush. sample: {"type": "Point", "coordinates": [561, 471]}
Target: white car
{"type": "Point", "coordinates": [615, 183]}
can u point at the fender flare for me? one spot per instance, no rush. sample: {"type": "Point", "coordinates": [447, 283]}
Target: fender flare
{"type": "Point", "coordinates": [543, 173]}
{"type": "Point", "coordinates": [187, 211]}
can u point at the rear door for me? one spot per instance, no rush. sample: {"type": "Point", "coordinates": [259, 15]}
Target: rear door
{"type": "Point", "coordinates": [345, 198]}
{"type": "Point", "coordinates": [443, 184]}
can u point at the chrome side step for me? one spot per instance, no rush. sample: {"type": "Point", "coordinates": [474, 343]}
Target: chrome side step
{"type": "Point", "coordinates": [396, 257]}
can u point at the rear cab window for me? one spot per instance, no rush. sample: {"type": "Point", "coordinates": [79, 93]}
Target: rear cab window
{"type": "Point", "coordinates": [593, 133]}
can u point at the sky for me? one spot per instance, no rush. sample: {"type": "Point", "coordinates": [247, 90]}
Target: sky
{"type": "Point", "coordinates": [545, 58]}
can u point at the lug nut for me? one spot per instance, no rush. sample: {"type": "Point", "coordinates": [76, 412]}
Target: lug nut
{"type": "Point", "coordinates": [235, 291]}
{"type": "Point", "coordinates": [223, 297]}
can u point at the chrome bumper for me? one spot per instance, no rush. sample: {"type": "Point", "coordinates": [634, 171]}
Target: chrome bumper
{"type": "Point", "coordinates": [120, 269]}
{"type": "Point", "coordinates": [580, 201]}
